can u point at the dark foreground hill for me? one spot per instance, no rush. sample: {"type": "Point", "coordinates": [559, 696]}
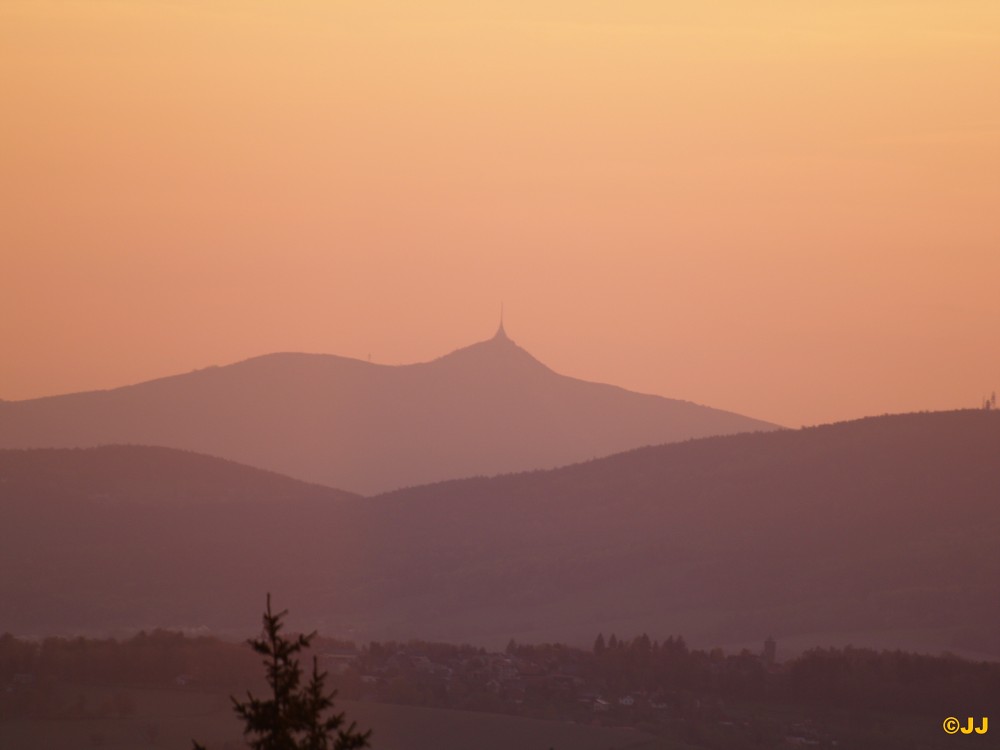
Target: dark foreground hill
{"type": "Point", "coordinates": [884, 530]}
{"type": "Point", "coordinates": [485, 409]}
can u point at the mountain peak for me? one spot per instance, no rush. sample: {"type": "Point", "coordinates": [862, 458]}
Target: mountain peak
{"type": "Point", "coordinates": [486, 408]}
{"type": "Point", "coordinates": [499, 351]}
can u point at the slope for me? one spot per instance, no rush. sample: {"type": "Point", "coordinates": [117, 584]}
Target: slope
{"type": "Point", "coordinates": [885, 528]}
{"type": "Point", "coordinates": [485, 409]}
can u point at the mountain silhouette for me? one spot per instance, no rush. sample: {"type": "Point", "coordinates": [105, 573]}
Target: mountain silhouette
{"type": "Point", "coordinates": [486, 409]}
{"type": "Point", "coordinates": [884, 531]}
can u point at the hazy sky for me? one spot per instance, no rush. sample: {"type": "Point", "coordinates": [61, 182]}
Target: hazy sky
{"type": "Point", "coordinates": [788, 209]}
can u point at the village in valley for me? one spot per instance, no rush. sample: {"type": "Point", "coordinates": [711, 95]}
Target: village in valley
{"type": "Point", "coordinates": [656, 687]}
{"type": "Point", "coordinates": [710, 699]}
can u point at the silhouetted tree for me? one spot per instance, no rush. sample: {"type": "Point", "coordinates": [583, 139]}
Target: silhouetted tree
{"type": "Point", "coordinates": [642, 646]}
{"type": "Point", "coordinates": [599, 646]}
{"type": "Point", "coordinates": [292, 718]}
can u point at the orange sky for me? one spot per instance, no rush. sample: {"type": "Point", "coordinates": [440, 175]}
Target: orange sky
{"type": "Point", "coordinates": [782, 208]}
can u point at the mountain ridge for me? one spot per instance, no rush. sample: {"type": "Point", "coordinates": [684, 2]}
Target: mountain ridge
{"type": "Point", "coordinates": [487, 408]}
{"type": "Point", "coordinates": [882, 531]}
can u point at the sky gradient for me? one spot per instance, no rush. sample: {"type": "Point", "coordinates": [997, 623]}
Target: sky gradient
{"type": "Point", "coordinates": [784, 209]}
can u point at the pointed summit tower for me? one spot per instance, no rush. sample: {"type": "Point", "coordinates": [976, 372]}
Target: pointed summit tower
{"type": "Point", "coordinates": [501, 334]}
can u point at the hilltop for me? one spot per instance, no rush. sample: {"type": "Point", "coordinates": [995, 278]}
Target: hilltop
{"type": "Point", "coordinates": [485, 409]}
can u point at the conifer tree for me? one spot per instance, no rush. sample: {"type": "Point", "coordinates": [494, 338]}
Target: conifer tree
{"type": "Point", "coordinates": [292, 717]}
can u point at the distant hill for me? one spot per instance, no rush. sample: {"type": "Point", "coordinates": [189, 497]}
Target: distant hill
{"type": "Point", "coordinates": [116, 476]}
{"type": "Point", "coordinates": [882, 531]}
{"type": "Point", "coordinates": [486, 409]}
{"type": "Point", "coordinates": [130, 536]}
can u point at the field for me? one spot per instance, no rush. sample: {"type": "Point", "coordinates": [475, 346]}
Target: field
{"type": "Point", "coordinates": [168, 719]}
